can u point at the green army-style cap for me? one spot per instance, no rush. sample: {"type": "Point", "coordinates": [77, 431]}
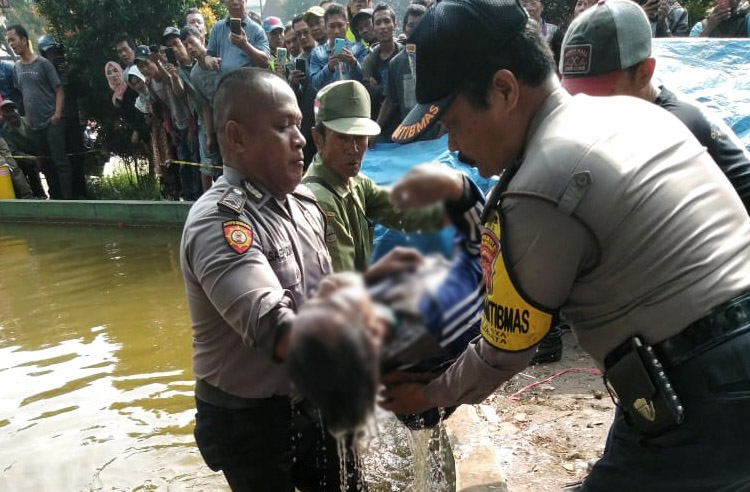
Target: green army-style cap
{"type": "Point", "coordinates": [344, 107]}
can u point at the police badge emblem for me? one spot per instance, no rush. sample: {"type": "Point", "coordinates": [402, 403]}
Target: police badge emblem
{"type": "Point", "coordinates": [239, 236]}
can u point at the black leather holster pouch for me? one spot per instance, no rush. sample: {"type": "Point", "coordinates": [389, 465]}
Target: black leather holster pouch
{"type": "Point", "coordinates": [638, 384]}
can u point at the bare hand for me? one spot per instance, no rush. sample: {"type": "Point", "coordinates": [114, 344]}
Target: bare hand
{"type": "Point", "coordinates": [298, 77]}
{"type": "Point", "coordinates": [55, 119]}
{"type": "Point", "coordinates": [404, 399]}
{"type": "Point", "coordinates": [333, 61]}
{"type": "Point", "coordinates": [396, 261]}
{"type": "Point", "coordinates": [346, 56]}
{"type": "Point", "coordinates": [426, 184]}
{"type": "Point", "coordinates": [239, 40]}
{"type": "Point", "coordinates": [213, 63]}
{"type": "Point", "coordinates": [280, 69]}
{"type": "Point", "coordinates": [717, 16]}
{"type": "Point", "coordinates": [135, 138]}
{"type": "Point", "coordinates": [172, 71]}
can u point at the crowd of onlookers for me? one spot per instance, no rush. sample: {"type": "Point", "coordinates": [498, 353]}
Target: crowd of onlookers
{"type": "Point", "coordinates": [164, 90]}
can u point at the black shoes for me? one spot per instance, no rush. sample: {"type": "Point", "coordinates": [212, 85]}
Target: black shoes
{"type": "Point", "coordinates": [550, 348]}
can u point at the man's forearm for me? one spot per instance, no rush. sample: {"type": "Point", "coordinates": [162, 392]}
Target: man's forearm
{"type": "Point", "coordinates": [258, 57]}
{"type": "Point", "coordinates": [59, 100]}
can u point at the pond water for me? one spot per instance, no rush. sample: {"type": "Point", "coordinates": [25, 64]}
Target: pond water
{"type": "Point", "coordinates": [96, 385]}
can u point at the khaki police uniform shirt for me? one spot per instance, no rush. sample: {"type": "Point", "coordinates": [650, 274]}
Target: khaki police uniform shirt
{"type": "Point", "coordinates": [248, 261]}
{"type": "Point", "coordinates": [618, 218]}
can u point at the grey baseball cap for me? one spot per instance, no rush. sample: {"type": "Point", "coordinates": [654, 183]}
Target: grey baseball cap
{"type": "Point", "coordinates": [609, 37]}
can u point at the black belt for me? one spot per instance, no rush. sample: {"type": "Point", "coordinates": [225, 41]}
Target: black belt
{"type": "Point", "coordinates": [215, 396]}
{"type": "Point", "coordinates": [725, 321]}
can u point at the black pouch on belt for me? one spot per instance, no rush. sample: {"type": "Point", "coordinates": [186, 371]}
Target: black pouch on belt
{"type": "Point", "coordinates": [639, 386]}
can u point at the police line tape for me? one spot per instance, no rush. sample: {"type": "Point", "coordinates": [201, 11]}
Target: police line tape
{"type": "Point", "coordinates": [167, 162]}
{"type": "Point", "coordinates": [93, 151]}
{"type": "Point", "coordinates": [187, 163]}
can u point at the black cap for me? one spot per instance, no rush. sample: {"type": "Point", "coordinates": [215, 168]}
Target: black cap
{"type": "Point", "coordinates": [142, 52]}
{"type": "Point", "coordinates": [360, 15]}
{"type": "Point", "coordinates": [451, 38]}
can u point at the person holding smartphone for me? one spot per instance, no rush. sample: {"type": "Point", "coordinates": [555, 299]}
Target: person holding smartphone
{"type": "Point", "coordinates": [237, 41]}
{"type": "Point", "coordinates": [336, 59]}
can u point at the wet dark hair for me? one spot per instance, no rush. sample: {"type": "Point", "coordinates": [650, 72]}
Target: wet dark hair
{"type": "Point", "coordinates": [527, 56]}
{"type": "Point", "coordinates": [332, 10]}
{"type": "Point", "coordinates": [413, 10]}
{"type": "Point", "coordinates": [20, 31]}
{"type": "Point", "coordinates": [297, 18]}
{"type": "Point", "coordinates": [337, 374]}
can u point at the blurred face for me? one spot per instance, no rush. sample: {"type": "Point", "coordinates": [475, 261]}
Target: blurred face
{"type": "Point", "coordinates": [195, 48]}
{"type": "Point", "coordinates": [125, 53]}
{"type": "Point", "coordinates": [292, 42]}
{"type": "Point", "coordinates": [356, 5]}
{"type": "Point", "coordinates": [180, 52]}
{"type": "Point", "coordinates": [336, 27]}
{"type": "Point", "coordinates": [138, 85]}
{"type": "Point", "coordinates": [197, 21]}
{"type": "Point", "coordinates": [236, 8]}
{"type": "Point", "coordinates": [411, 23]}
{"type": "Point", "coordinates": [366, 30]}
{"type": "Point", "coordinates": [581, 6]}
{"type": "Point", "coordinates": [342, 153]}
{"type": "Point", "coordinates": [113, 75]}
{"type": "Point", "coordinates": [18, 44]}
{"type": "Point", "coordinates": [148, 69]}
{"type": "Point", "coordinates": [268, 145]}
{"type": "Point", "coordinates": [54, 55]}
{"type": "Point", "coordinates": [474, 133]}
{"type": "Point", "coordinates": [276, 39]}
{"type": "Point", "coordinates": [317, 28]}
{"type": "Point", "coordinates": [304, 36]}
{"type": "Point", "coordinates": [534, 8]}
{"type": "Point", "coordinates": [384, 26]}
{"type": "Point", "coordinates": [10, 114]}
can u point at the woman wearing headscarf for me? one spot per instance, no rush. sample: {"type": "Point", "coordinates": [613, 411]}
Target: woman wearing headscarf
{"type": "Point", "coordinates": [116, 81]}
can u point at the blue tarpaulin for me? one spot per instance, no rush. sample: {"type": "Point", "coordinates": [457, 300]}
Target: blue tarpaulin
{"type": "Point", "coordinates": [711, 71]}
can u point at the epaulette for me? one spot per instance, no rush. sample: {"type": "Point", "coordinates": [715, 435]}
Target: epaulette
{"type": "Point", "coordinates": [233, 200]}
{"type": "Point", "coordinates": [303, 192]}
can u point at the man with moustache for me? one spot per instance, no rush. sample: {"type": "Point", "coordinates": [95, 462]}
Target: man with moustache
{"type": "Point", "coordinates": [624, 225]}
{"type": "Point", "coordinates": [252, 252]}
{"type": "Point", "coordinates": [229, 51]}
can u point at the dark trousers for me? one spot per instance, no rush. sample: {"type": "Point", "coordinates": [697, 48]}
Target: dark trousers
{"type": "Point", "coordinates": [30, 170]}
{"type": "Point", "coordinates": [57, 169]}
{"type": "Point", "coordinates": [274, 447]}
{"type": "Point", "coordinates": [190, 180]}
{"type": "Point", "coordinates": [710, 450]}
{"type": "Point", "coordinates": [77, 158]}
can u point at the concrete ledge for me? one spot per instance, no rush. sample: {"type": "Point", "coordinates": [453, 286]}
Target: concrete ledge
{"type": "Point", "coordinates": [96, 212]}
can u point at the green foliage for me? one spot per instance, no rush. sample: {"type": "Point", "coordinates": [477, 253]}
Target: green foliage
{"type": "Point", "coordinates": [125, 185]}
{"type": "Point", "coordinates": [88, 29]}
{"type": "Point", "coordinates": [697, 10]}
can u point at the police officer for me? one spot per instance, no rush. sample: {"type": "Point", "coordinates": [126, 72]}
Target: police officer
{"type": "Point", "coordinates": [252, 251]}
{"type": "Point", "coordinates": [610, 212]}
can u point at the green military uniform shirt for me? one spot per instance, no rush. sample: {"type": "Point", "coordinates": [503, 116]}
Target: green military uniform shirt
{"type": "Point", "coordinates": [352, 210]}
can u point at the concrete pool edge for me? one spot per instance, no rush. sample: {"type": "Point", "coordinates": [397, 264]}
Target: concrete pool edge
{"type": "Point", "coordinates": [96, 212]}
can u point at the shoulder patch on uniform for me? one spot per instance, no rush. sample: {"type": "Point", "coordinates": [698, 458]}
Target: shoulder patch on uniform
{"type": "Point", "coordinates": [233, 200]}
{"type": "Point", "coordinates": [302, 191]}
{"type": "Point", "coordinates": [238, 234]}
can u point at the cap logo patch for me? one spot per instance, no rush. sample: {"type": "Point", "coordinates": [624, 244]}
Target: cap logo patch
{"type": "Point", "coordinates": [239, 236]}
{"type": "Point", "coordinates": [576, 59]}
{"type": "Point", "coordinates": [410, 131]}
